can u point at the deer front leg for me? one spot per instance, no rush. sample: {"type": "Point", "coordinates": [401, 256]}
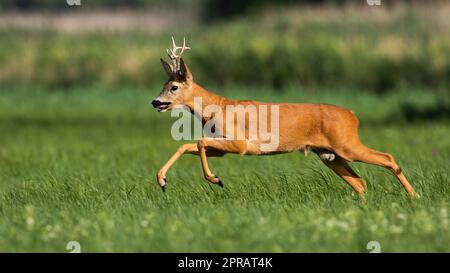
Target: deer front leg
{"type": "Point", "coordinates": [186, 148]}
{"type": "Point", "coordinates": [225, 146]}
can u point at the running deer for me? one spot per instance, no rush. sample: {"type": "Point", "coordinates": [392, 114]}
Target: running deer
{"type": "Point", "coordinates": [327, 130]}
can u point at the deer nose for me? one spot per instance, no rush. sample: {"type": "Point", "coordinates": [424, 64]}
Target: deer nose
{"type": "Point", "coordinates": [156, 103]}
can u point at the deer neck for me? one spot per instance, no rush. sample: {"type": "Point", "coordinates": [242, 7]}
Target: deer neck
{"type": "Point", "coordinates": [207, 99]}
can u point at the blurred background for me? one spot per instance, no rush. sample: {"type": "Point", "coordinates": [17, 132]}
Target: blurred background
{"type": "Point", "coordinates": [81, 144]}
{"type": "Point", "coordinates": [260, 43]}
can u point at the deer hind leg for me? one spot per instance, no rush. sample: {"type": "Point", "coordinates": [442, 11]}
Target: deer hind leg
{"type": "Point", "coordinates": [363, 154]}
{"type": "Point", "coordinates": [186, 148]}
{"type": "Point", "coordinates": [344, 171]}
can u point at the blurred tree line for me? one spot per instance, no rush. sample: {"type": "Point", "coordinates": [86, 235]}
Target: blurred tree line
{"type": "Point", "coordinates": [209, 9]}
{"type": "Point", "coordinates": [228, 7]}
{"type": "Point", "coordinates": [378, 58]}
{"type": "Point", "coordinates": [59, 5]}
{"type": "Point", "coordinates": [289, 47]}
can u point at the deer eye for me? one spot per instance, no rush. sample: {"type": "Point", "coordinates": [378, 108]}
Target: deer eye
{"type": "Point", "coordinates": [174, 88]}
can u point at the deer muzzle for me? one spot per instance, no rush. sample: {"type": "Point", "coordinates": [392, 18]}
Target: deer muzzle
{"type": "Point", "coordinates": [161, 106]}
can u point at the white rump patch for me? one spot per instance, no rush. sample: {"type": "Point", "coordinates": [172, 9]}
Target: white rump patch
{"type": "Point", "coordinates": [328, 156]}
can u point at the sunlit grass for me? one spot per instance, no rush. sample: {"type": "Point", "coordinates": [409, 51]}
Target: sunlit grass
{"type": "Point", "coordinates": [81, 165]}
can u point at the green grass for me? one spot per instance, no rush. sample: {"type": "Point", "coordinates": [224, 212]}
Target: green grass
{"type": "Point", "coordinates": [80, 165]}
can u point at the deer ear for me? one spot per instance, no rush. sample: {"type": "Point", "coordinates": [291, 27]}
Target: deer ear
{"type": "Point", "coordinates": [167, 67]}
{"type": "Point", "coordinates": [184, 70]}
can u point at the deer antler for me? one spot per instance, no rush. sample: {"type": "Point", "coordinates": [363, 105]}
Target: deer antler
{"type": "Point", "coordinates": [173, 53]}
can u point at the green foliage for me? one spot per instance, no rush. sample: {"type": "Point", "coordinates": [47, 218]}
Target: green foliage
{"type": "Point", "coordinates": [287, 49]}
{"type": "Point", "coordinates": [81, 166]}
{"type": "Point", "coordinates": [214, 10]}
{"type": "Point", "coordinates": [52, 5]}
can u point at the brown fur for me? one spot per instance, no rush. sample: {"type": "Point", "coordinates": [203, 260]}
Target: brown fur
{"type": "Point", "coordinates": [322, 128]}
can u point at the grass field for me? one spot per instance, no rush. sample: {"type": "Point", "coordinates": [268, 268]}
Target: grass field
{"type": "Point", "coordinates": [81, 164]}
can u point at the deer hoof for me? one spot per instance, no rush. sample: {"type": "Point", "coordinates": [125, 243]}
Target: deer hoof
{"type": "Point", "coordinates": [415, 195]}
{"type": "Point", "coordinates": [220, 182]}
{"type": "Point", "coordinates": [163, 185]}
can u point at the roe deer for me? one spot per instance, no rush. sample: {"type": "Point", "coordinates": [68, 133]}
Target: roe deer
{"type": "Point", "coordinates": [327, 130]}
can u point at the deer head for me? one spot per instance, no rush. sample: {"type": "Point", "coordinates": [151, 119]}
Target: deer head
{"type": "Point", "coordinates": [178, 88]}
